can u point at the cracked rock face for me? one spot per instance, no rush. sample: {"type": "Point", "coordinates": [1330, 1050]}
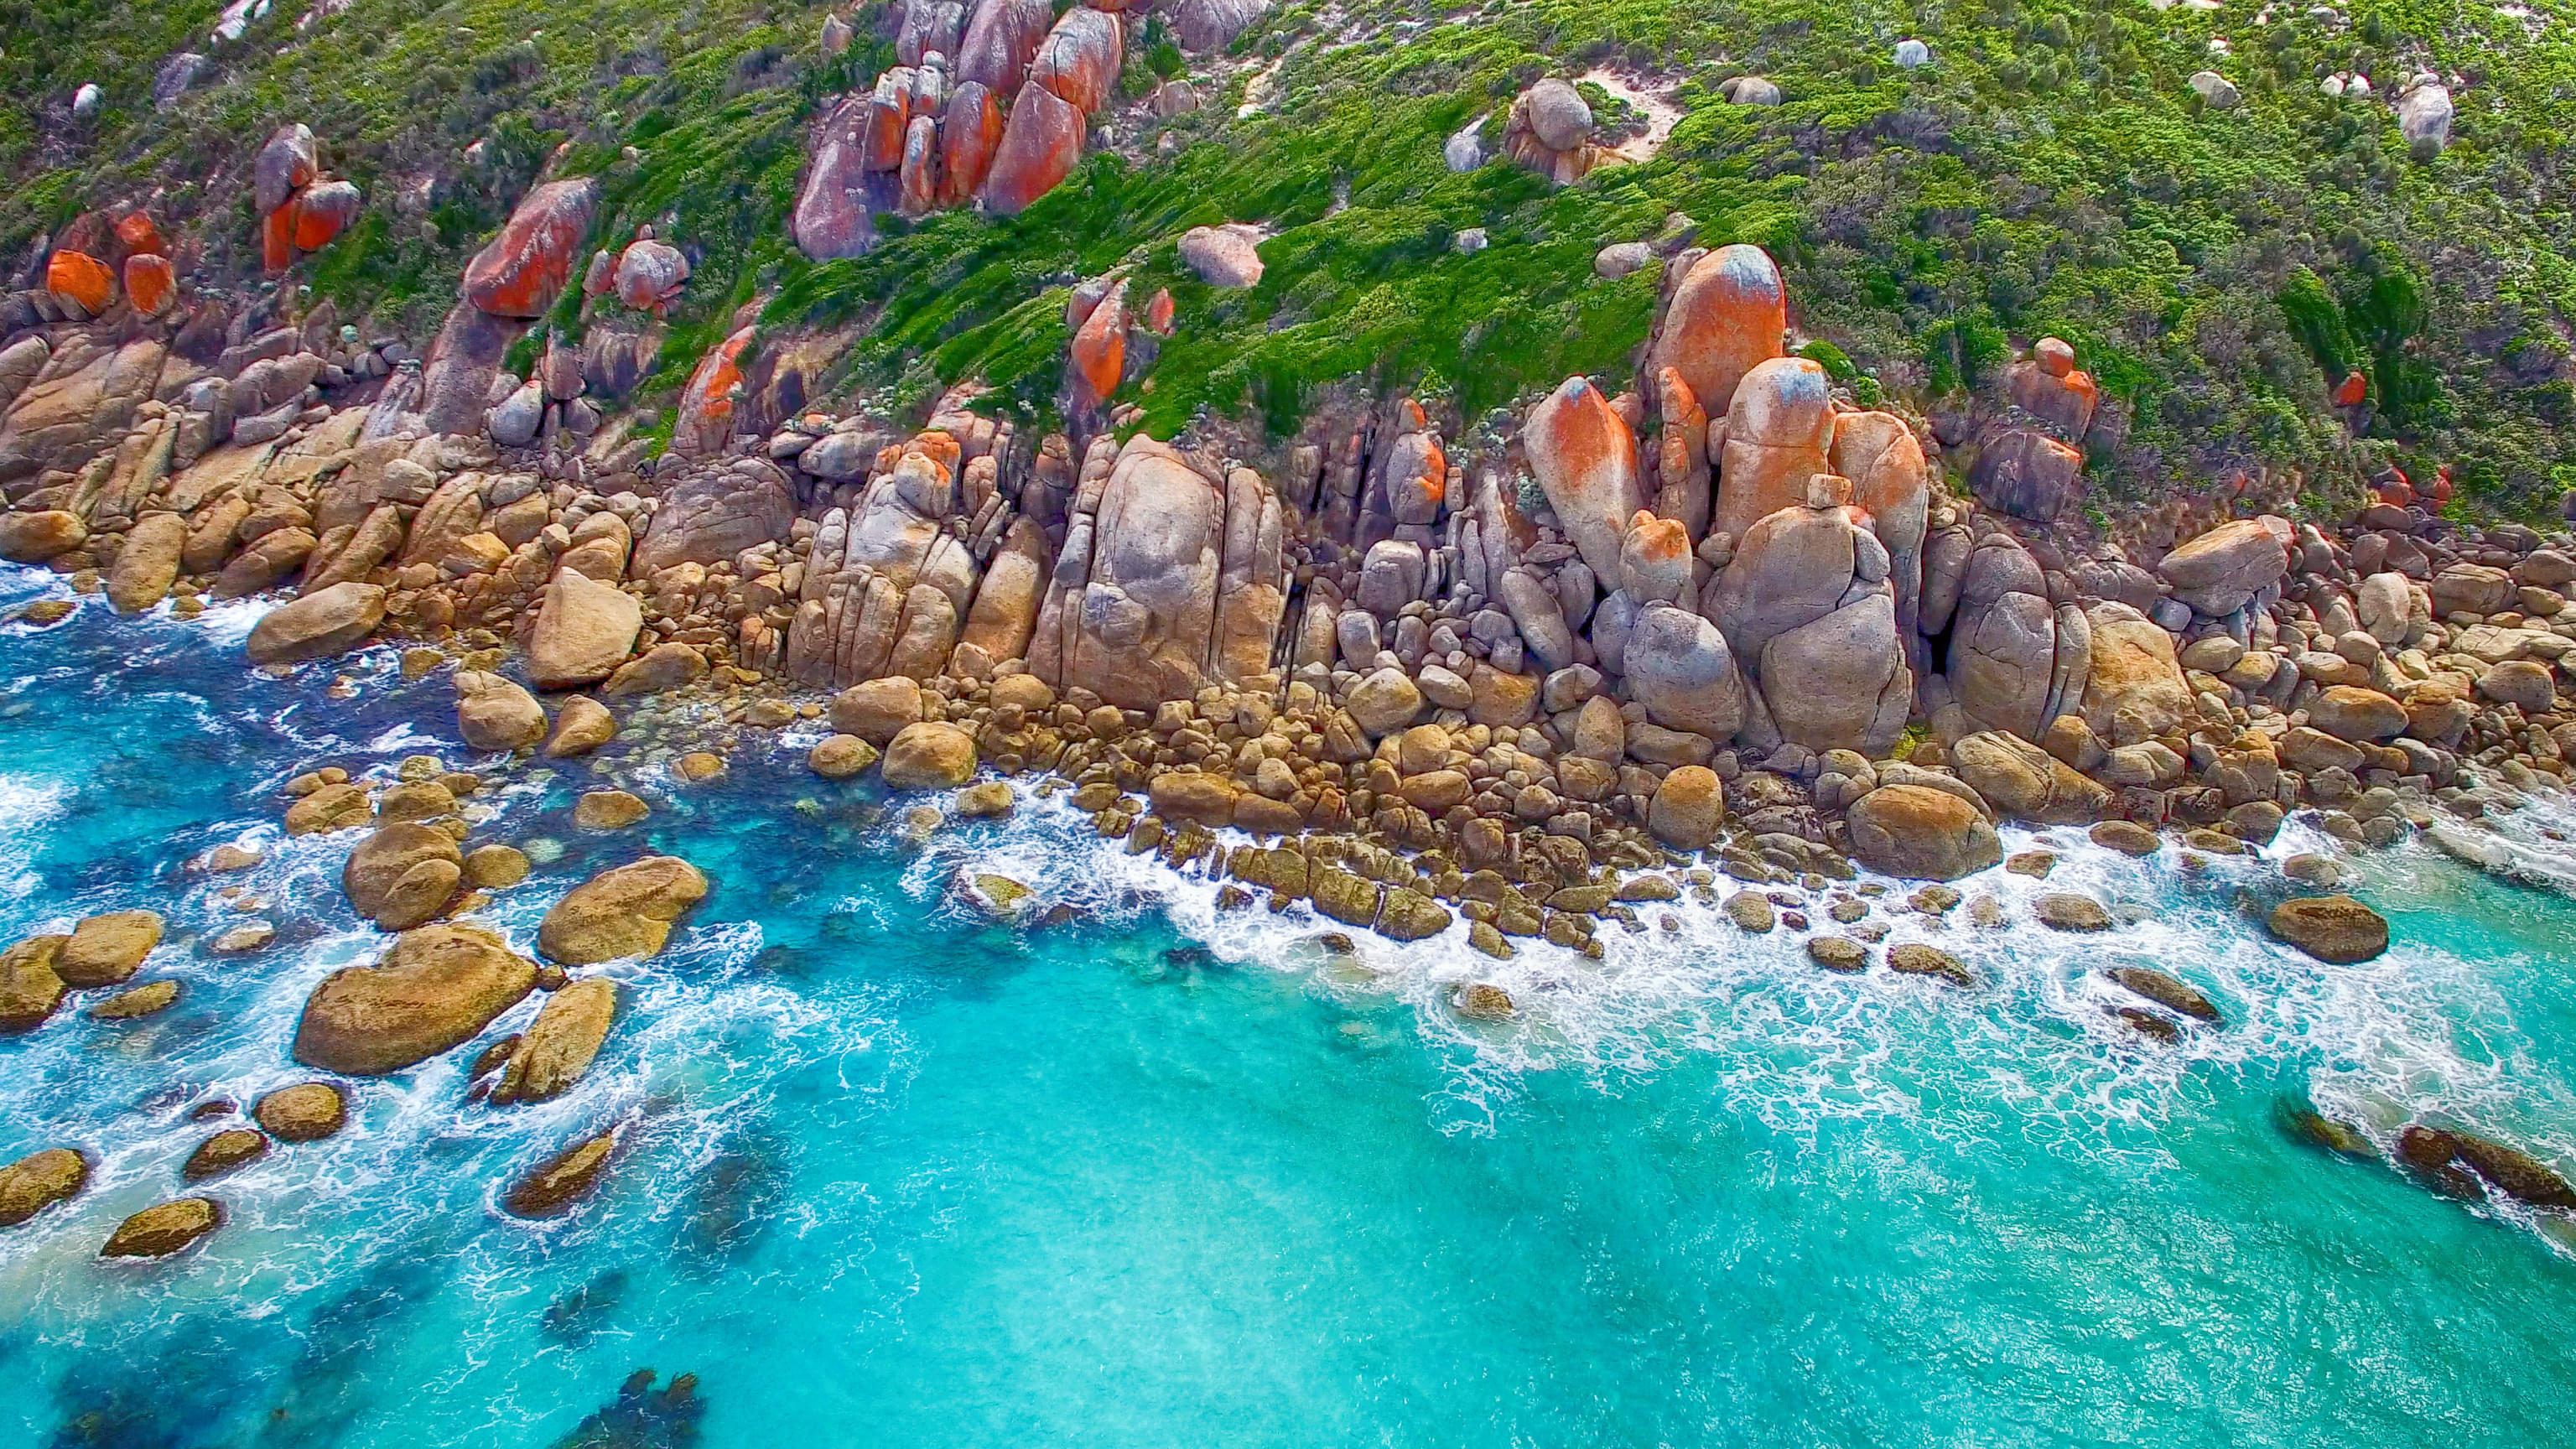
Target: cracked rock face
{"type": "Point", "coordinates": [1167, 581]}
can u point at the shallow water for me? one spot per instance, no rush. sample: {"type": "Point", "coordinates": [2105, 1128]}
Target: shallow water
{"type": "Point", "coordinates": [895, 1173]}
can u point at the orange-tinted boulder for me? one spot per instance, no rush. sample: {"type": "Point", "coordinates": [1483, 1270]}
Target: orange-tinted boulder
{"type": "Point", "coordinates": [1158, 313]}
{"type": "Point", "coordinates": [1778, 431]}
{"type": "Point", "coordinates": [882, 132]}
{"type": "Point", "coordinates": [1682, 454]}
{"type": "Point", "coordinates": [287, 164]}
{"type": "Point", "coordinates": [2352, 390]}
{"type": "Point", "coordinates": [140, 238]}
{"type": "Point", "coordinates": [967, 140]}
{"type": "Point", "coordinates": [82, 278]}
{"type": "Point", "coordinates": [277, 239]}
{"type": "Point", "coordinates": [2027, 474]}
{"type": "Point", "coordinates": [149, 284]}
{"type": "Point", "coordinates": [2065, 399]}
{"type": "Point", "coordinates": [1041, 141]}
{"type": "Point", "coordinates": [649, 274]}
{"type": "Point", "coordinates": [1585, 457]}
{"type": "Point", "coordinates": [836, 212]}
{"type": "Point", "coordinates": [1726, 318]}
{"type": "Point", "coordinates": [522, 270]}
{"type": "Point", "coordinates": [706, 404]}
{"type": "Point", "coordinates": [1100, 346]}
{"type": "Point", "coordinates": [92, 234]}
{"type": "Point", "coordinates": [1079, 61]}
{"type": "Point", "coordinates": [1000, 42]}
{"type": "Point", "coordinates": [918, 191]}
{"type": "Point", "coordinates": [322, 211]}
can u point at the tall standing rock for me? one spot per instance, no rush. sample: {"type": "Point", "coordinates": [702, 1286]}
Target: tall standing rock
{"type": "Point", "coordinates": [1166, 580]}
{"type": "Point", "coordinates": [1727, 316]}
{"type": "Point", "coordinates": [969, 135]}
{"type": "Point", "coordinates": [706, 420]}
{"type": "Point", "coordinates": [1891, 485]}
{"type": "Point", "coordinates": [1586, 461]}
{"type": "Point", "coordinates": [1808, 608]}
{"type": "Point", "coordinates": [1079, 59]}
{"type": "Point", "coordinates": [1041, 141]}
{"type": "Point", "coordinates": [1778, 432]}
{"type": "Point", "coordinates": [835, 213]}
{"type": "Point", "coordinates": [1001, 41]}
{"type": "Point", "coordinates": [521, 271]}
{"type": "Point", "coordinates": [886, 584]}
{"type": "Point", "coordinates": [1680, 669]}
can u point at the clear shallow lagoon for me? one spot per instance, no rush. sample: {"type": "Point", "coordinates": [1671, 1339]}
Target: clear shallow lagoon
{"type": "Point", "coordinates": [897, 1174]}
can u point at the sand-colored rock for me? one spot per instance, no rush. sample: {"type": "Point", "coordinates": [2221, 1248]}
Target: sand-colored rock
{"type": "Point", "coordinates": [624, 911]}
{"type": "Point", "coordinates": [437, 987]}
{"type": "Point", "coordinates": [561, 1044]}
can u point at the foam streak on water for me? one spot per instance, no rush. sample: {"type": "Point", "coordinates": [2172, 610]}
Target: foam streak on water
{"type": "Point", "coordinates": [1173, 1174]}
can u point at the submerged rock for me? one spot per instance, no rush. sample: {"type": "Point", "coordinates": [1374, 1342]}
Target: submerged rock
{"type": "Point", "coordinates": [2445, 1160]}
{"type": "Point", "coordinates": [562, 1180]}
{"type": "Point", "coordinates": [639, 1418]}
{"type": "Point", "coordinates": [2165, 990]}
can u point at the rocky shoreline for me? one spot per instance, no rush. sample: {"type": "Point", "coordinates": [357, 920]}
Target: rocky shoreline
{"type": "Point", "coordinates": [1726, 633]}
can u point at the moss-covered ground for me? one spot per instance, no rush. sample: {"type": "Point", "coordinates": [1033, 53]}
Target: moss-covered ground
{"type": "Point", "coordinates": [2050, 171]}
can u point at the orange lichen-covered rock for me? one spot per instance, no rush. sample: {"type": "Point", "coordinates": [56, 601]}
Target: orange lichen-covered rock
{"type": "Point", "coordinates": [918, 193]}
{"type": "Point", "coordinates": [706, 404]}
{"type": "Point", "coordinates": [1000, 42]}
{"type": "Point", "coordinates": [322, 211]}
{"type": "Point", "coordinates": [1585, 457]}
{"type": "Point", "coordinates": [522, 270]}
{"type": "Point", "coordinates": [1041, 141]}
{"type": "Point", "coordinates": [1655, 560]}
{"type": "Point", "coordinates": [1682, 454]}
{"type": "Point", "coordinates": [1158, 312]}
{"type": "Point", "coordinates": [287, 164]}
{"type": "Point", "coordinates": [1778, 431]}
{"type": "Point", "coordinates": [967, 140]}
{"type": "Point", "coordinates": [81, 278]}
{"type": "Point", "coordinates": [835, 213]}
{"type": "Point", "coordinates": [149, 284]}
{"type": "Point", "coordinates": [1726, 318]}
{"type": "Point", "coordinates": [1079, 61]}
{"type": "Point", "coordinates": [1100, 346]}
{"type": "Point", "coordinates": [277, 239]}
{"type": "Point", "coordinates": [2047, 386]}
{"type": "Point", "coordinates": [140, 237]}
{"type": "Point", "coordinates": [888, 113]}
{"type": "Point", "coordinates": [649, 274]}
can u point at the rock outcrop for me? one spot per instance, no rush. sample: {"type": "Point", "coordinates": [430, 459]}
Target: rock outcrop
{"type": "Point", "coordinates": [437, 988]}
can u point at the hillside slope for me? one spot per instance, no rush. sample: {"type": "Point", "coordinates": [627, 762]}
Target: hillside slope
{"type": "Point", "coordinates": [2050, 171]}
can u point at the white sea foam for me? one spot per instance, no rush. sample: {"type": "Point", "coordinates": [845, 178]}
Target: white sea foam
{"type": "Point", "coordinates": [2034, 1052]}
{"type": "Point", "coordinates": [27, 805]}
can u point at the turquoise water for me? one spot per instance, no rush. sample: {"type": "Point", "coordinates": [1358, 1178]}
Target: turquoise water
{"type": "Point", "coordinates": [896, 1174]}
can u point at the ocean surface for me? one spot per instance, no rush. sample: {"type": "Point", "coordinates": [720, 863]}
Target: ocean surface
{"type": "Point", "coordinates": [892, 1172]}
